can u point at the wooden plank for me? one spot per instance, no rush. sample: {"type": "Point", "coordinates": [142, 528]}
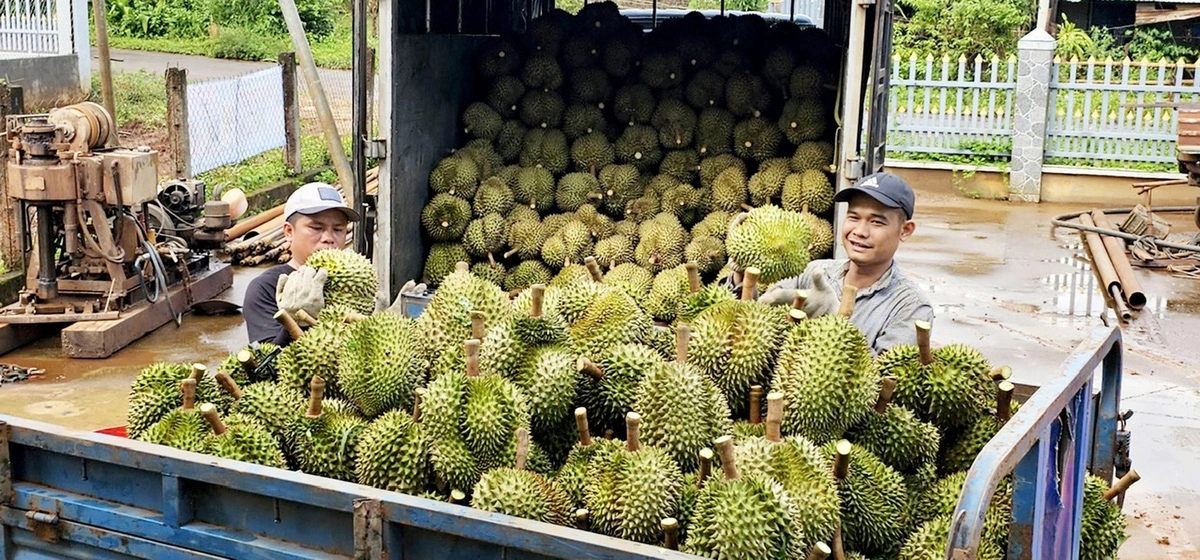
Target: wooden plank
{"type": "Point", "coordinates": [41, 318]}
{"type": "Point", "coordinates": [16, 336]}
{"type": "Point", "coordinates": [101, 339]}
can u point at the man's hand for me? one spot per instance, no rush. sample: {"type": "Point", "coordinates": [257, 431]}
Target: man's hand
{"type": "Point", "coordinates": [302, 290]}
{"type": "Point", "coordinates": [397, 305]}
{"type": "Point", "coordinates": [822, 299]}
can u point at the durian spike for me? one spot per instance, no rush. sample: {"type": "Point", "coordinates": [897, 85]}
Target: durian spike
{"type": "Point", "coordinates": [1120, 486]}
{"type": "Point", "coordinates": [887, 387]}
{"type": "Point", "coordinates": [750, 283]}
{"type": "Point", "coordinates": [210, 414]}
{"type": "Point", "coordinates": [706, 459]}
{"type": "Point", "coordinates": [304, 316]}
{"type": "Point", "coordinates": [1004, 396]}
{"type": "Point", "coordinates": [462, 266]}
{"type": "Point", "coordinates": [820, 551]}
{"type": "Point", "coordinates": [796, 316]}
{"type": "Point", "coordinates": [457, 496]}
{"type": "Point", "coordinates": [683, 336]}
{"type": "Point", "coordinates": [633, 429]}
{"type": "Point", "coordinates": [670, 527]}
{"type": "Point", "coordinates": [775, 417]}
{"type": "Point", "coordinates": [589, 367]}
{"type": "Point", "coordinates": [538, 293]}
{"type": "Point", "coordinates": [1002, 373]}
{"type": "Point", "coordinates": [593, 267]}
{"type": "Point", "coordinates": [924, 345]}
{"type": "Point", "coordinates": [188, 388]}
{"type": "Point", "coordinates": [724, 445]}
{"type": "Point", "coordinates": [582, 521]}
{"type": "Point", "coordinates": [289, 324]}
{"type": "Point", "coordinates": [419, 394]}
{"type": "Point", "coordinates": [246, 359]}
{"type": "Point", "coordinates": [478, 325]}
{"type": "Point", "coordinates": [841, 463]}
{"type": "Point", "coordinates": [799, 299]}
{"type": "Point", "coordinates": [471, 349]}
{"type": "Point", "coordinates": [581, 425]}
{"type": "Point", "coordinates": [316, 394]}
{"type": "Point", "coordinates": [198, 371]}
{"type": "Point", "coordinates": [693, 272]}
{"type": "Point", "coordinates": [229, 385]}
{"type": "Point", "coordinates": [522, 447]}
{"type": "Point", "coordinates": [846, 309]}
{"type": "Point", "coordinates": [756, 393]}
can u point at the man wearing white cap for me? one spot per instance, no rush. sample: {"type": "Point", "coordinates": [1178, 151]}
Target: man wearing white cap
{"type": "Point", "coordinates": [315, 217]}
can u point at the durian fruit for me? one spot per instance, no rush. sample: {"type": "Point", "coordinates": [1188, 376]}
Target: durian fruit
{"type": "Point", "coordinates": [941, 498]}
{"type": "Point", "coordinates": [182, 428]}
{"type": "Point", "coordinates": [542, 72]}
{"type": "Point", "coordinates": [808, 188]}
{"type": "Point", "coordinates": [580, 50]}
{"type": "Point", "coordinates": [614, 251]}
{"type": "Point", "coordinates": [752, 427]}
{"type": "Point", "coordinates": [510, 140]}
{"type": "Point", "coordinates": [742, 515]}
{"type": "Point", "coordinates": [706, 89]}
{"type": "Point", "coordinates": [634, 104]}
{"type": "Point", "coordinates": [802, 120]}
{"type": "Point", "coordinates": [599, 225]}
{"type": "Point", "coordinates": [638, 146]}
{"type": "Point", "coordinates": [611, 382]}
{"type": "Point", "coordinates": [707, 252]}
{"type": "Point", "coordinates": [667, 293]}
{"type": "Point", "coordinates": [661, 241]}
{"type": "Point", "coordinates": [527, 273]}
{"type": "Point", "coordinates": [682, 410]}
{"type": "Point", "coordinates": [746, 95]}
{"type": "Point", "coordinates": [619, 184]}
{"type": "Point", "coordinates": [505, 94]}
{"type": "Point", "coordinates": [489, 161]}
{"type": "Point", "coordinates": [446, 216]}
{"type": "Point", "coordinates": [825, 372]}
{"type": "Point", "coordinates": [630, 491]}
{"type": "Point", "coordinates": [471, 422]}
{"type": "Point", "coordinates": [381, 365]}
{"type": "Point", "coordinates": [895, 434]}
{"type": "Point", "coordinates": [875, 508]}
{"type": "Point", "coordinates": [547, 149]}
{"type": "Point", "coordinates": [591, 152]}
{"type": "Point", "coordinates": [541, 109]}
{"type": "Point", "coordinates": [272, 404]}
{"type": "Point", "coordinates": [317, 353]}
{"type": "Point", "coordinates": [628, 228]}
{"type": "Point", "coordinates": [729, 190]}
{"type": "Point", "coordinates": [815, 155]}
{"type": "Point", "coordinates": [662, 70]}
{"type": "Point", "coordinates": [156, 392]}
{"type": "Point", "coordinates": [546, 33]}
{"type": "Point", "coordinates": [570, 244]}
{"type": "Point", "coordinates": [676, 123]}
{"type": "Point", "coordinates": [486, 236]}
{"type": "Point", "coordinates": [714, 132]}
{"type": "Point", "coordinates": [619, 56]}
{"type": "Point", "coordinates": [525, 235]}
{"type": "Point", "coordinates": [930, 539]}
{"type": "Point", "coordinates": [701, 298]}
{"type": "Point", "coordinates": [715, 224]}
{"type": "Point", "coordinates": [583, 119]}
{"type": "Point", "coordinates": [772, 240]}
{"type": "Point", "coordinates": [447, 318]}
{"type": "Point", "coordinates": [712, 166]}
{"type": "Point", "coordinates": [569, 275]}
{"type": "Point", "coordinates": [522, 493]}
{"type": "Point", "coordinates": [573, 476]}
{"type": "Point", "coordinates": [1103, 528]}
{"type": "Point", "coordinates": [680, 164]}
{"type": "Point", "coordinates": [482, 121]}
{"type": "Point", "coordinates": [961, 447]}
{"type": "Point", "coordinates": [534, 187]}
{"type": "Point", "coordinates": [352, 280]}
{"type": "Point", "coordinates": [323, 440]}
{"type": "Point", "coordinates": [546, 373]}
{"type": "Point", "coordinates": [612, 317]}
{"type": "Point", "coordinates": [756, 139]}
{"type": "Point", "coordinates": [456, 175]}
{"type": "Point", "coordinates": [589, 86]}
{"type": "Point", "coordinates": [635, 280]}
{"type": "Point", "coordinates": [767, 184]}
{"type": "Point", "coordinates": [492, 272]}
{"type": "Point", "coordinates": [393, 453]}
{"type": "Point", "coordinates": [498, 58]}
{"type": "Point", "coordinates": [241, 438]}
{"type": "Point", "coordinates": [575, 190]}
{"type": "Point", "coordinates": [492, 197]}
{"type": "Point", "coordinates": [822, 236]}
{"type": "Point", "coordinates": [805, 82]}
{"type": "Point", "coordinates": [441, 261]}
{"type": "Point", "coordinates": [949, 387]}
{"type": "Point", "coordinates": [778, 66]}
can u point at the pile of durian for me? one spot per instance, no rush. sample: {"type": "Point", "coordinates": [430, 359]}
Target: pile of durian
{"type": "Point", "coordinates": [590, 136]}
{"type": "Point", "coordinates": [568, 404]}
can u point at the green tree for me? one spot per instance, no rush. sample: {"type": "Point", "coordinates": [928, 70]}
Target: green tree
{"type": "Point", "coordinates": [970, 27]}
{"type": "Point", "coordinates": [1072, 41]}
{"type": "Point", "coordinates": [732, 5]}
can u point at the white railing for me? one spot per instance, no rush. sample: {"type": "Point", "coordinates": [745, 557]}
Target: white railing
{"type": "Point", "coordinates": [233, 119]}
{"type": "Point", "coordinates": [36, 26]}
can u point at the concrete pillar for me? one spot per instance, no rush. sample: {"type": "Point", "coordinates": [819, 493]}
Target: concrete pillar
{"type": "Point", "coordinates": [1035, 57]}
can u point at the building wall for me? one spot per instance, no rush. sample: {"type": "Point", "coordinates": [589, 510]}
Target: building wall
{"type": "Point", "coordinates": [45, 80]}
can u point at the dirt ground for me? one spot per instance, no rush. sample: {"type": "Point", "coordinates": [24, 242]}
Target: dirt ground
{"type": "Point", "coordinates": [1001, 280]}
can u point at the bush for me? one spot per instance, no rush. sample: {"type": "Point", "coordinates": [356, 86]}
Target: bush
{"type": "Point", "coordinates": [138, 96]}
{"type": "Point", "coordinates": [244, 44]}
{"type": "Point", "coordinates": [156, 18]}
{"type": "Point", "coordinates": [265, 17]}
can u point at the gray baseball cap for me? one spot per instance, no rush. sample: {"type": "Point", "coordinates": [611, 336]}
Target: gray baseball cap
{"type": "Point", "coordinates": [890, 190]}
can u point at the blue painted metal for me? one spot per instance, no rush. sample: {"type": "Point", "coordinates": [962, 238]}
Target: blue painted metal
{"type": "Point", "coordinates": [1059, 435]}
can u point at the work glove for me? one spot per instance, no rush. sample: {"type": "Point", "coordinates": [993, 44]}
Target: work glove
{"type": "Point", "coordinates": [781, 296]}
{"type": "Point", "coordinates": [822, 298]}
{"type": "Point", "coordinates": [397, 305]}
{"type": "Point", "coordinates": [304, 290]}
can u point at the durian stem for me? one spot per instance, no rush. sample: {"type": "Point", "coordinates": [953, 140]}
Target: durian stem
{"type": "Point", "coordinates": [841, 463]}
{"type": "Point", "coordinates": [756, 393]}
{"type": "Point", "coordinates": [229, 385]}
{"type": "Point", "coordinates": [775, 417]}
{"type": "Point", "coordinates": [796, 316]}
{"type": "Point", "coordinates": [533, 204]}
{"type": "Point", "coordinates": [683, 336]}
{"type": "Point", "coordinates": [471, 349]}
{"type": "Point", "coordinates": [589, 367]}
{"type": "Point", "coordinates": [522, 447]}
{"type": "Point", "coordinates": [581, 424]}
{"type": "Point", "coordinates": [316, 394]}
{"type": "Point", "coordinates": [462, 266]}
{"type": "Point", "coordinates": [724, 446]}
{"type": "Point", "coordinates": [596, 196]}
{"type": "Point", "coordinates": [609, 434]}
{"type": "Point", "coordinates": [538, 293]}
{"type": "Point", "coordinates": [582, 521]}
{"type": "Point", "coordinates": [457, 496]}
{"type": "Point", "coordinates": [750, 283]}
{"type": "Point", "coordinates": [509, 253]}
{"type": "Point", "coordinates": [670, 527]}
{"type": "Point", "coordinates": [887, 387]}
{"type": "Point", "coordinates": [246, 359]}
{"type": "Point", "coordinates": [820, 551]}
{"type": "Point", "coordinates": [418, 395]}
{"type": "Point", "coordinates": [1004, 396]}
{"type": "Point", "coordinates": [693, 272]}
{"type": "Point", "coordinates": [633, 427]}
{"type": "Point", "coordinates": [706, 459]}
{"type": "Point", "coordinates": [593, 268]}
{"type": "Point", "coordinates": [289, 324]}
{"type": "Point", "coordinates": [478, 325]}
{"type": "Point", "coordinates": [737, 277]}
{"type": "Point", "coordinates": [799, 299]}
{"type": "Point", "coordinates": [198, 371]}
{"type": "Point", "coordinates": [1002, 373]}
{"type": "Point", "coordinates": [210, 414]}
{"type": "Point", "coordinates": [188, 388]}
{"type": "Point", "coordinates": [747, 207]}
{"type": "Point", "coordinates": [304, 316]}
{"type": "Point", "coordinates": [491, 259]}
{"type": "Point", "coordinates": [839, 548]}
{"type": "Point", "coordinates": [847, 305]}
{"type": "Point", "coordinates": [924, 344]}
{"type": "Point", "coordinates": [1120, 486]}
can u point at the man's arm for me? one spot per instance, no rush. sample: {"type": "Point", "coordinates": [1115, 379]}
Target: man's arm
{"type": "Point", "coordinates": [259, 310]}
{"type": "Point", "coordinates": [901, 328]}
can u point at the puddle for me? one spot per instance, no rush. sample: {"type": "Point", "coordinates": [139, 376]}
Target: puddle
{"type": "Point", "coordinates": [1079, 293]}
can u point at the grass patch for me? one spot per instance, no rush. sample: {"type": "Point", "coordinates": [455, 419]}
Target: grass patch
{"type": "Point", "coordinates": [139, 96]}
{"type": "Point", "coordinates": [198, 46]}
{"type": "Point", "coordinates": [267, 168]}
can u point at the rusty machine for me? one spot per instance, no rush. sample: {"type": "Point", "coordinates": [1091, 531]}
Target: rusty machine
{"type": "Point", "coordinates": [99, 229]}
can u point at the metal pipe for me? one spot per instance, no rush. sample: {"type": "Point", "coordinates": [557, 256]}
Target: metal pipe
{"type": "Point", "coordinates": [1064, 220]}
{"type": "Point", "coordinates": [359, 79]}
{"type": "Point", "coordinates": [1102, 264]}
{"type": "Point", "coordinates": [47, 282]}
{"type": "Point", "coordinates": [1116, 253]}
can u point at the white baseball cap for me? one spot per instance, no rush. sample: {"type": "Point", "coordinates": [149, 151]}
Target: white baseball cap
{"type": "Point", "coordinates": [314, 198]}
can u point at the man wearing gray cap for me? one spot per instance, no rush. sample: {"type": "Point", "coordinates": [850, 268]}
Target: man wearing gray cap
{"type": "Point", "coordinates": [878, 218]}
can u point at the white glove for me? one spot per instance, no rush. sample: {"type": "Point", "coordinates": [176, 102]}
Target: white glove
{"type": "Point", "coordinates": [302, 290]}
{"type": "Point", "coordinates": [778, 296]}
{"type": "Point", "coordinates": [822, 299]}
{"type": "Point", "coordinates": [397, 305]}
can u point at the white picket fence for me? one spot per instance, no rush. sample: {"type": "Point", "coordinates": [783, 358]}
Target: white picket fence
{"type": "Point", "coordinates": [36, 26]}
{"type": "Point", "coordinates": [1098, 112]}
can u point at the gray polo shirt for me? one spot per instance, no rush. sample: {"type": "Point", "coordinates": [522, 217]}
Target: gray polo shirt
{"type": "Point", "coordinates": [884, 312]}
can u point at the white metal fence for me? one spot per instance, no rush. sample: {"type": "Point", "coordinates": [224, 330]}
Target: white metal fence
{"type": "Point", "coordinates": [232, 119]}
{"type": "Point", "coordinates": [35, 26]}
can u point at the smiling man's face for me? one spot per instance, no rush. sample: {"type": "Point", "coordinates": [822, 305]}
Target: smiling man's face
{"type": "Point", "coordinates": [872, 232]}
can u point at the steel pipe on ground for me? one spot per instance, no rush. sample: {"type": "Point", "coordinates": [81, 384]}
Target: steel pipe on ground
{"type": "Point", "coordinates": [1103, 266]}
{"type": "Point", "coordinates": [1116, 253]}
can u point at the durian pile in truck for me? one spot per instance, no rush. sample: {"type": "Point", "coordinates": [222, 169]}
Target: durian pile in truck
{"type": "Point", "coordinates": [66, 494]}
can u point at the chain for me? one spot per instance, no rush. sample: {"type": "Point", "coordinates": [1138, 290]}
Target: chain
{"type": "Point", "coordinates": [10, 373]}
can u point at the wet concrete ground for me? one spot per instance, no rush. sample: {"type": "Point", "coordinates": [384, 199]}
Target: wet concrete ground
{"type": "Point", "coordinates": [1001, 282]}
